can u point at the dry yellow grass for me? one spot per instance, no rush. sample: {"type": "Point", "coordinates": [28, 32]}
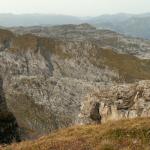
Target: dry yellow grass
{"type": "Point", "coordinates": [25, 42]}
{"type": "Point", "coordinates": [5, 35]}
{"type": "Point", "coordinates": [120, 135]}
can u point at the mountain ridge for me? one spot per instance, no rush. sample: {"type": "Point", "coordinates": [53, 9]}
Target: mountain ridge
{"type": "Point", "coordinates": [120, 22]}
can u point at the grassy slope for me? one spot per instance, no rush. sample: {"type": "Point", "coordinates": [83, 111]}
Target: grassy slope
{"type": "Point", "coordinates": [124, 134]}
{"type": "Point", "coordinates": [129, 67]}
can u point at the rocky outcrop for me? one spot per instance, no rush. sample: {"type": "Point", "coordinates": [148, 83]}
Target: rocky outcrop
{"type": "Point", "coordinates": [117, 102]}
{"type": "Point", "coordinates": [9, 130]}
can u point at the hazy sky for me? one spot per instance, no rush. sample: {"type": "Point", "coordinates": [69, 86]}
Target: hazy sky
{"type": "Point", "coordinates": [74, 7]}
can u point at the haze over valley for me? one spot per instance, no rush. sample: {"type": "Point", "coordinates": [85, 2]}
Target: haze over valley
{"type": "Point", "coordinates": [129, 24]}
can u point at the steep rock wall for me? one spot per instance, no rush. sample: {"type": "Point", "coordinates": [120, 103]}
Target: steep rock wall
{"type": "Point", "coordinates": [116, 102]}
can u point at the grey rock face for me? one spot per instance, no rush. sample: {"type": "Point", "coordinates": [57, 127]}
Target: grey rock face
{"type": "Point", "coordinates": [117, 102]}
{"type": "Point", "coordinates": [27, 62]}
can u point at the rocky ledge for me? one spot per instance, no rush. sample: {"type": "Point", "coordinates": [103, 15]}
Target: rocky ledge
{"type": "Point", "coordinates": [116, 102]}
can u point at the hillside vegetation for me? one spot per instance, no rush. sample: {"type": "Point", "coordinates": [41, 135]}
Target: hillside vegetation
{"type": "Point", "coordinates": [129, 67]}
{"type": "Point", "coordinates": [121, 135]}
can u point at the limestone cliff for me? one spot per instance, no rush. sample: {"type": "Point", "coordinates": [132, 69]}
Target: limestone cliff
{"type": "Point", "coordinates": [47, 75]}
{"type": "Point", "coordinates": [116, 102]}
